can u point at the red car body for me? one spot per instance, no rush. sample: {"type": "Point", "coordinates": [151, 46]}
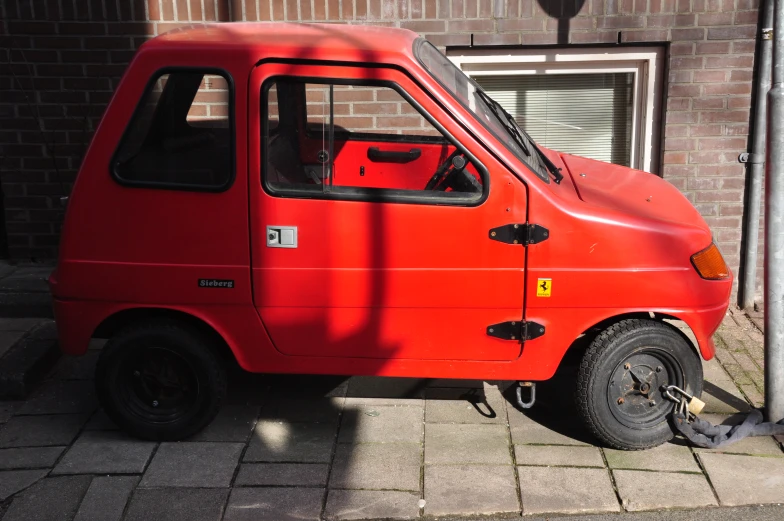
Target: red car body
{"type": "Point", "coordinates": [373, 288]}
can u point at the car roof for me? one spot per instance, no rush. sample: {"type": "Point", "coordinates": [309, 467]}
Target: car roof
{"type": "Point", "coordinates": [294, 41]}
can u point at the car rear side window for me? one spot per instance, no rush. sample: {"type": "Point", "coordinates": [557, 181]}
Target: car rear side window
{"type": "Point", "coordinates": [361, 140]}
{"type": "Point", "coordinates": [181, 135]}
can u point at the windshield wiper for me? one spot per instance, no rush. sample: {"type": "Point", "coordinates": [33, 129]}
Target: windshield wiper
{"type": "Point", "coordinates": [510, 123]}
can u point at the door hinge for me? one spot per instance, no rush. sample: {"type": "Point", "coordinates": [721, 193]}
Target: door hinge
{"type": "Point", "coordinates": [520, 330]}
{"type": "Point", "coordinates": [524, 234]}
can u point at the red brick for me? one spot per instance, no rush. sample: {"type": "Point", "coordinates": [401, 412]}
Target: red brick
{"type": "Point", "coordinates": [686, 63]}
{"type": "Point", "coordinates": [650, 35]}
{"type": "Point", "coordinates": [713, 47]}
{"type": "Point", "coordinates": [731, 209]}
{"type": "Point", "coordinates": [714, 19]}
{"type": "Point", "coordinates": [21, 28]}
{"type": "Point", "coordinates": [471, 26]}
{"type": "Point", "coordinates": [675, 158]}
{"type": "Point", "coordinates": [709, 103]}
{"type": "Point", "coordinates": [676, 104]}
{"type": "Point", "coordinates": [671, 144]}
{"type": "Point", "coordinates": [680, 76]}
{"type": "Point", "coordinates": [681, 117]}
{"type": "Point", "coordinates": [425, 26]}
{"type": "Point", "coordinates": [727, 116]}
{"type": "Point", "coordinates": [687, 34]}
{"type": "Point", "coordinates": [739, 103]}
{"type": "Point", "coordinates": [703, 183]}
{"type": "Point", "coordinates": [712, 157]}
{"type": "Point", "coordinates": [735, 183]}
{"type": "Point", "coordinates": [744, 46]}
{"type": "Point", "coordinates": [520, 24]}
{"type": "Point", "coordinates": [679, 170]}
{"type": "Point", "coordinates": [539, 39]}
{"type": "Point", "coordinates": [709, 76]}
{"type": "Point", "coordinates": [594, 37]}
{"type": "Point", "coordinates": [683, 90]}
{"type": "Point", "coordinates": [681, 48]}
{"type": "Point", "coordinates": [746, 17]}
{"type": "Point", "coordinates": [728, 62]}
{"type": "Point", "coordinates": [444, 40]}
{"type": "Point", "coordinates": [619, 22]}
{"type": "Point", "coordinates": [706, 130]}
{"type": "Point", "coordinates": [497, 39]}
{"type": "Point", "coordinates": [676, 130]}
{"type": "Point", "coordinates": [738, 32]}
{"type": "Point", "coordinates": [720, 196]}
{"type": "Point", "coordinates": [727, 89]}
{"type": "Point", "coordinates": [722, 143]}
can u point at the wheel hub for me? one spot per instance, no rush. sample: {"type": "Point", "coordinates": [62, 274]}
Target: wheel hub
{"type": "Point", "coordinates": [634, 388]}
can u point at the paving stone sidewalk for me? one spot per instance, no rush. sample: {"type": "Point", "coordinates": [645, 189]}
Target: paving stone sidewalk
{"type": "Point", "coordinates": [299, 447]}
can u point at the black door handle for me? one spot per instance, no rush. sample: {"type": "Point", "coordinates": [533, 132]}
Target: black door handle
{"type": "Point", "coordinates": [388, 156]}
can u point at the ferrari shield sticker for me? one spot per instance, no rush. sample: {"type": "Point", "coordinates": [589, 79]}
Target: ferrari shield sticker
{"type": "Point", "coordinates": [544, 287]}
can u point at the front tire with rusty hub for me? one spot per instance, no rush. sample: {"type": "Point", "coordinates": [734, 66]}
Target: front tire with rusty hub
{"type": "Point", "coordinates": [160, 380]}
{"type": "Point", "coordinates": [620, 380]}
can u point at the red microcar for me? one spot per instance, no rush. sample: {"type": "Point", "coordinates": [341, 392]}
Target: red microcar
{"type": "Point", "coordinates": [323, 199]}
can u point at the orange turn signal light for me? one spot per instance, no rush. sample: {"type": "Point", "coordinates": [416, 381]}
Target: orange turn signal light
{"type": "Point", "coordinates": [710, 264]}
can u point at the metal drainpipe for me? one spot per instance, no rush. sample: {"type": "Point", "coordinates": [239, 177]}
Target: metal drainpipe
{"type": "Point", "coordinates": [757, 159]}
{"type": "Point", "coordinates": [774, 230]}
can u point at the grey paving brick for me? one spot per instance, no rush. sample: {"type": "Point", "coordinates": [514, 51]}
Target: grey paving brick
{"type": "Point", "coordinates": [59, 397]}
{"type": "Point", "coordinates": [106, 498]}
{"type": "Point", "coordinates": [100, 422]}
{"type": "Point", "coordinates": [9, 338]}
{"type": "Point", "coordinates": [317, 410]}
{"type": "Point", "coordinates": [526, 430]}
{"type": "Point", "coordinates": [233, 423]}
{"type": "Point", "coordinates": [388, 466]}
{"type": "Point", "coordinates": [756, 446]}
{"type": "Point", "coordinates": [376, 390]}
{"type": "Point", "coordinates": [291, 474]}
{"type": "Point", "coordinates": [719, 392]}
{"type": "Point", "coordinates": [566, 490]}
{"type": "Point", "coordinates": [558, 455]}
{"type": "Point", "coordinates": [470, 489]}
{"type": "Point", "coordinates": [12, 481]}
{"type": "Point", "coordinates": [371, 423]}
{"type": "Point", "coordinates": [371, 504]}
{"type": "Point", "coordinates": [19, 324]}
{"type": "Point", "coordinates": [193, 464]}
{"type": "Point", "coordinates": [444, 405]}
{"type": "Point", "coordinates": [7, 410]}
{"type": "Point", "coordinates": [667, 457]}
{"type": "Point", "coordinates": [77, 367]}
{"type": "Point", "coordinates": [667, 490]}
{"type": "Point", "coordinates": [105, 452]}
{"type": "Point", "coordinates": [51, 499]}
{"type": "Point", "coordinates": [300, 442]}
{"type": "Point", "coordinates": [173, 504]}
{"type": "Point", "coordinates": [745, 480]}
{"type": "Point", "coordinates": [29, 458]}
{"type": "Point", "coordinates": [33, 431]}
{"type": "Point", "coordinates": [274, 504]}
{"type": "Point", "coordinates": [467, 443]}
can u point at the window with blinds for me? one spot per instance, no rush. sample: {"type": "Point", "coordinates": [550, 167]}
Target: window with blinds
{"type": "Point", "coordinates": [587, 115]}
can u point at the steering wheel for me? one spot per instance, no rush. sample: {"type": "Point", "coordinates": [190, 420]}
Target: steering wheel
{"type": "Point", "coordinates": [438, 181]}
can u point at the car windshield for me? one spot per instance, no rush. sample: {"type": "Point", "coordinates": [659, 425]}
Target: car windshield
{"type": "Point", "coordinates": [486, 110]}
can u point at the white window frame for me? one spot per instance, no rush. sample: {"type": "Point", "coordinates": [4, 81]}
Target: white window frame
{"type": "Point", "coordinates": [646, 63]}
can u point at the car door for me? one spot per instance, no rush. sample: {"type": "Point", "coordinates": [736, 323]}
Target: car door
{"type": "Point", "coordinates": [351, 255]}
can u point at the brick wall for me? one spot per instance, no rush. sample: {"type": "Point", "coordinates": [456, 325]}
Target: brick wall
{"type": "Point", "coordinates": [61, 59]}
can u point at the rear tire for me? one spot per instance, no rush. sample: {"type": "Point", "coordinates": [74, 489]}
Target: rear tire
{"type": "Point", "coordinates": [160, 380]}
{"type": "Point", "coordinates": [619, 380]}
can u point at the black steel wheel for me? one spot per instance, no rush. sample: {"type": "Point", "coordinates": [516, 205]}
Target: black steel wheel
{"type": "Point", "coordinates": [619, 385]}
{"type": "Point", "coordinates": [160, 380]}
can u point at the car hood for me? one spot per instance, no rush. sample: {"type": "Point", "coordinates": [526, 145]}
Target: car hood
{"type": "Point", "coordinates": [630, 191]}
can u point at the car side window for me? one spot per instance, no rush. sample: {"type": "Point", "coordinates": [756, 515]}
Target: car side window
{"type": "Point", "coordinates": [362, 141]}
{"type": "Point", "coordinates": [180, 135]}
